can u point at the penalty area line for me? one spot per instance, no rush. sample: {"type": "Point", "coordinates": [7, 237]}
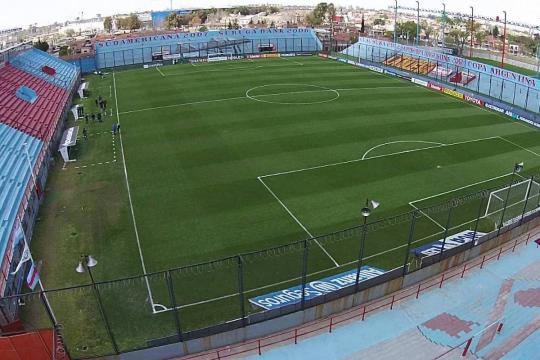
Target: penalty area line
{"type": "Point", "coordinates": [297, 221]}
{"type": "Point", "coordinates": [159, 71]}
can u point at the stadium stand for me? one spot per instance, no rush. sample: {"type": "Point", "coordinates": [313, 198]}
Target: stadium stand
{"type": "Point", "coordinates": [410, 64]}
{"type": "Point", "coordinates": [37, 119]}
{"type": "Point", "coordinates": [14, 177]}
{"type": "Point", "coordinates": [35, 93]}
{"type": "Point", "coordinates": [47, 67]}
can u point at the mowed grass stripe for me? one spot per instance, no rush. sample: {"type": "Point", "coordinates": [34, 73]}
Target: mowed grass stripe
{"type": "Point", "coordinates": [213, 152]}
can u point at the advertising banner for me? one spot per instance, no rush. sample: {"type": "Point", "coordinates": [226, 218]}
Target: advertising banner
{"type": "Point", "coordinates": [451, 242]}
{"type": "Point", "coordinates": [313, 289]}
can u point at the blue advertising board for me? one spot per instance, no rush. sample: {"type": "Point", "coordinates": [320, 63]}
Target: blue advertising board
{"type": "Point", "coordinates": [313, 289]}
{"type": "Point", "coordinates": [450, 242]}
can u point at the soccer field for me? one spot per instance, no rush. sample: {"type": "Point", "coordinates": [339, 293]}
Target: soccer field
{"type": "Point", "coordinates": [225, 158]}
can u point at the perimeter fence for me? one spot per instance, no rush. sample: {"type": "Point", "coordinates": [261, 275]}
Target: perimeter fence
{"type": "Point", "coordinates": [111, 317]}
{"type": "Point", "coordinates": [501, 85]}
{"type": "Point", "coordinates": [187, 51]}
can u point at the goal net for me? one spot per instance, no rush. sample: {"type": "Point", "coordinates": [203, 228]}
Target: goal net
{"type": "Point", "coordinates": [523, 196]}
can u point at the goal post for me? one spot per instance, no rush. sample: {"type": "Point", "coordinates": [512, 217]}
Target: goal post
{"type": "Point", "coordinates": [518, 197]}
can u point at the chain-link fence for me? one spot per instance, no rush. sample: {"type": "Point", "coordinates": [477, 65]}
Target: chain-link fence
{"type": "Point", "coordinates": [104, 318]}
{"type": "Point", "coordinates": [492, 85]}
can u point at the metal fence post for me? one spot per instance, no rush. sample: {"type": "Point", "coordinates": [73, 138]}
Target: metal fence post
{"type": "Point", "coordinates": [526, 200]}
{"type": "Point", "coordinates": [102, 311]}
{"type": "Point", "coordinates": [409, 242]}
{"type": "Point", "coordinates": [360, 255]}
{"type": "Point", "coordinates": [170, 287]}
{"type": "Point", "coordinates": [506, 204]}
{"type": "Point", "coordinates": [241, 288]}
{"type": "Point", "coordinates": [478, 218]}
{"type": "Point", "coordinates": [446, 228]}
{"type": "Point", "coordinates": [304, 271]}
{"type": "Point", "coordinates": [47, 307]}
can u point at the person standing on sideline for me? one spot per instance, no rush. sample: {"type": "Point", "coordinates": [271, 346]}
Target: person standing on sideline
{"type": "Point", "coordinates": [85, 133]}
{"type": "Point", "coordinates": [114, 128]}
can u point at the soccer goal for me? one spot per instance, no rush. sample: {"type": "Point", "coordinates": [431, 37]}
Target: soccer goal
{"type": "Point", "coordinates": [519, 197]}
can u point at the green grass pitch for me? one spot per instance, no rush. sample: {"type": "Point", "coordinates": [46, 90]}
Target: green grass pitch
{"type": "Point", "coordinates": [233, 157]}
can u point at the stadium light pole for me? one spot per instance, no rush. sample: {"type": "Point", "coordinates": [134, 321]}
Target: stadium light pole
{"type": "Point", "coordinates": [395, 22]}
{"type": "Point", "coordinates": [85, 264]}
{"type": "Point", "coordinates": [365, 212]}
{"type": "Point", "coordinates": [417, 23]}
{"type": "Point", "coordinates": [538, 59]}
{"type": "Point", "coordinates": [518, 167]}
{"type": "Point", "coordinates": [472, 32]}
{"type": "Point", "coordinates": [443, 22]}
{"type": "Point", "coordinates": [504, 40]}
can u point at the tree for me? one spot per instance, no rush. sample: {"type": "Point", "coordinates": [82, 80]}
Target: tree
{"type": "Point", "coordinates": [318, 14]}
{"type": "Point", "coordinates": [108, 24]}
{"type": "Point", "coordinates": [41, 45]}
{"type": "Point", "coordinates": [461, 32]}
{"type": "Point", "coordinates": [379, 22]}
{"type": "Point", "coordinates": [172, 21]}
{"type": "Point", "coordinates": [70, 32]}
{"type": "Point", "coordinates": [203, 28]}
{"type": "Point", "coordinates": [64, 51]}
{"type": "Point", "coordinates": [133, 22]}
{"type": "Point", "coordinates": [495, 31]}
{"type": "Point", "coordinates": [407, 29]}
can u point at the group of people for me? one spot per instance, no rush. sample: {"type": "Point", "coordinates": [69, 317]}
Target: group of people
{"type": "Point", "coordinates": [100, 116]}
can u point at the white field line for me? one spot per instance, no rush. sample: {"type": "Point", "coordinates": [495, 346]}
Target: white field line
{"type": "Point", "coordinates": [244, 97]}
{"type": "Point", "coordinates": [429, 217]}
{"type": "Point", "coordinates": [154, 305]}
{"type": "Point", "coordinates": [291, 60]}
{"type": "Point", "coordinates": [519, 146]}
{"type": "Point", "coordinates": [377, 157]}
{"type": "Point", "coordinates": [183, 104]}
{"type": "Point", "coordinates": [497, 196]}
{"type": "Point", "coordinates": [159, 71]}
{"type": "Point", "coordinates": [399, 142]}
{"type": "Point", "coordinates": [460, 188]}
{"type": "Point", "coordinates": [297, 221]}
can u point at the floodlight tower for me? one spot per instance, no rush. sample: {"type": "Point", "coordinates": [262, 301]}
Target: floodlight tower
{"type": "Point", "coordinates": [443, 22]}
{"type": "Point", "coordinates": [417, 23]}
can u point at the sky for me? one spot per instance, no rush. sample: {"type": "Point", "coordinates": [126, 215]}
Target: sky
{"type": "Point", "coordinates": [43, 12]}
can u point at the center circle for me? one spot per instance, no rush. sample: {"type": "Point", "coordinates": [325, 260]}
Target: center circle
{"type": "Point", "coordinates": [292, 94]}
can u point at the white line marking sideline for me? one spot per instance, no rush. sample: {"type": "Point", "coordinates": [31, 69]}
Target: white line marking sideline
{"type": "Point", "coordinates": [297, 221]}
{"type": "Point", "coordinates": [154, 305]}
{"type": "Point", "coordinates": [162, 74]}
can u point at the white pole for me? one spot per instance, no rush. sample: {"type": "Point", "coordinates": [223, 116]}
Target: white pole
{"type": "Point", "coordinates": [32, 260]}
{"type": "Point", "coordinates": [25, 145]}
